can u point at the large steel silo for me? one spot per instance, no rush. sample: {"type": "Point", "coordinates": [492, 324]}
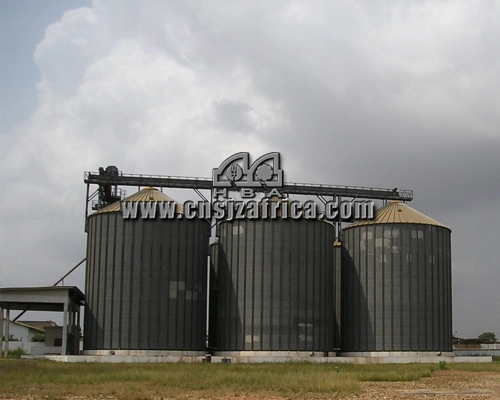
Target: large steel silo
{"type": "Point", "coordinates": [275, 286]}
{"type": "Point", "coordinates": [145, 281]}
{"type": "Point", "coordinates": [337, 286]}
{"type": "Point", "coordinates": [212, 296]}
{"type": "Point", "coordinates": [396, 283]}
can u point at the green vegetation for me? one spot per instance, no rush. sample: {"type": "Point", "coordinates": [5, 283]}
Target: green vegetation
{"type": "Point", "coordinates": [11, 338]}
{"type": "Point", "coordinates": [488, 337]}
{"type": "Point", "coordinates": [146, 381]}
{"type": "Point", "coordinates": [39, 337]}
{"type": "Point", "coordinates": [17, 352]}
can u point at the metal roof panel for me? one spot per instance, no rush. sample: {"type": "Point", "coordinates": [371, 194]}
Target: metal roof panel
{"type": "Point", "coordinates": [146, 194]}
{"type": "Point", "coordinates": [397, 212]}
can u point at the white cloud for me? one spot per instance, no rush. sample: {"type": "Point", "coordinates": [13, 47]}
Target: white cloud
{"type": "Point", "coordinates": [113, 100]}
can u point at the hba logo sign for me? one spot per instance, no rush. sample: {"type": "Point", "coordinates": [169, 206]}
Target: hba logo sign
{"type": "Point", "coordinates": [235, 172]}
{"type": "Point", "coordinates": [263, 175]}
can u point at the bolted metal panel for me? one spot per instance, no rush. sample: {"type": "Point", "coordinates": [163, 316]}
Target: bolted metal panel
{"type": "Point", "coordinates": [396, 288]}
{"type": "Point", "coordinates": [337, 286]}
{"type": "Point", "coordinates": [213, 294]}
{"type": "Point", "coordinates": [275, 287]}
{"type": "Point", "coordinates": [145, 283]}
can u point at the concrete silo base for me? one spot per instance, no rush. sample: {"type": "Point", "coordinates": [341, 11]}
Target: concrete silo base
{"type": "Point", "coordinates": [144, 353]}
{"type": "Point", "coordinates": [346, 358]}
{"type": "Point", "coordinates": [267, 357]}
{"type": "Point", "coordinates": [272, 356]}
{"type": "Point", "coordinates": [385, 354]}
{"type": "Point", "coordinates": [134, 356]}
{"type": "Point", "coordinates": [122, 358]}
{"type": "Point", "coordinates": [405, 357]}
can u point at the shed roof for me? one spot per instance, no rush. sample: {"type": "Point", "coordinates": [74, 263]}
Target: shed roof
{"type": "Point", "coordinates": [45, 298]}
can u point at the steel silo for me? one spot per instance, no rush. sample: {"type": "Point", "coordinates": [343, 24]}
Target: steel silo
{"type": "Point", "coordinates": [337, 286]}
{"type": "Point", "coordinates": [213, 291]}
{"type": "Point", "coordinates": [396, 283]}
{"type": "Point", "coordinates": [145, 280]}
{"type": "Point", "coordinates": [275, 286]}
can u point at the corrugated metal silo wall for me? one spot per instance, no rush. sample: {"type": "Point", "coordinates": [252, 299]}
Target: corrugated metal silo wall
{"type": "Point", "coordinates": [396, 288]}
{"type": "Point", "coordinates": [275, 286]}
{"type": "Point", "coordinates": [212, 307]}
{"type": "Point", "coordinates": [337, 301]}
{"type": "Point", "coordinates": [146, 283]}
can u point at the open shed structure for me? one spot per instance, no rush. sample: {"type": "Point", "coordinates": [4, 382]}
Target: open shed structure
{"type": "Point", "coordinates": [66, 299]}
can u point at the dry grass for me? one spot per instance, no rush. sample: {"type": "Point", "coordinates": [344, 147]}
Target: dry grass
{"type": "Point", "coordinates": [476, 367]}
{"type": "Point", "coordinates": [148, 381]}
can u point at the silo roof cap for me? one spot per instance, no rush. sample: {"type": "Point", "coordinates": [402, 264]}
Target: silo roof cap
{"type": "Point", "coordinates": [397, 212]}
{"type": "Point", "coordinates": [146, 194]}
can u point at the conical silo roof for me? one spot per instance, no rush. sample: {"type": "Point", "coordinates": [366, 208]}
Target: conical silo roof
{"type": "Point", "coordinates": [146, 194]}
{"type": "Point", "coordinates": [397, 212]}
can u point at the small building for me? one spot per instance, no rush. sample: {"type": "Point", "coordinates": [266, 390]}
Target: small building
{"type": "Point", "coordinates": [21, 332]}
{"type": "Point", "coordinates": [67, 299]}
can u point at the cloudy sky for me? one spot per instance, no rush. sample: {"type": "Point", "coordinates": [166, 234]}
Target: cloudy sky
{"type": "Point", "coordinates": [370, 93]}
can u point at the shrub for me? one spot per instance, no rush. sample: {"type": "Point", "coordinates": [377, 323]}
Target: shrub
{"type": "Point", "coordinates": [39, 337]}
{"type": "Point", "coordinates": [17, 352]}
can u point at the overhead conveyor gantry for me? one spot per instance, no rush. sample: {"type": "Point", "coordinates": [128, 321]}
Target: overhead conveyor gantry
{"type": "Point", "coordinates": [109, 179]}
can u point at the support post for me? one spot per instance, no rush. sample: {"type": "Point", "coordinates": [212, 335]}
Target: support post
{"type": "Point", "coordinates": [87, 207]}
{"type": "Point", "coordinates": [7, 334]}
{"type": "Point", "coordinates": [1, 331]}
{"type": "Point", "coordinates": [65, 329]}
{"type": "Point", "coordinates": [80, 332]}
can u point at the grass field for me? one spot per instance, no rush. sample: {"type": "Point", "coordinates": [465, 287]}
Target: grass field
{"type": "Point", "coordinates": [147, 381]}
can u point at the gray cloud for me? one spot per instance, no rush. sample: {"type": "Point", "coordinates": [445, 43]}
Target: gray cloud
{"type": "Point", "coordinates": [234, 116]}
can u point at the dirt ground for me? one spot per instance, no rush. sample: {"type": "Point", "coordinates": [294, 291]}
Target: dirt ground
{"type": "Point", "coordinates": [452, 385]}
{"type": "Point", "coordinates": [448, 385]}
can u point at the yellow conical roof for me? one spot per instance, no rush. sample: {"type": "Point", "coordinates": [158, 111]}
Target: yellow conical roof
{"type": "Point", "coordinates": [147, 194]}
{"type": "Point", "coordinates": [397, 212]}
